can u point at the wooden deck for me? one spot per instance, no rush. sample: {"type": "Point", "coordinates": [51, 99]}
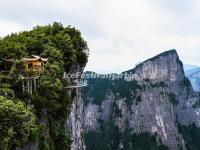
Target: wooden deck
{"type": "Point", "coordinates": [78, 85]}
{"type": "Point", "coordinates": [74, 86]}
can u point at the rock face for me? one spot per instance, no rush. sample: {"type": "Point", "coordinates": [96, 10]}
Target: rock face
{"type": "Point", "coordinates": [156, 100]}
{"type": "Point", "coordinates": [75, 122]}
{"type": "Point", "coordinates": [165, 66]}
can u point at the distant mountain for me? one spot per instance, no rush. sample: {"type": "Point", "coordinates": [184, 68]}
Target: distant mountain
{"type": "Point", "coordinates": [193, 73]}
{"type": "Point", "coordinates": [188, 67]}
{"type": "Point", "coordinates": [195, 79]}
{"type": "Point", "coordinates": [189, 72]}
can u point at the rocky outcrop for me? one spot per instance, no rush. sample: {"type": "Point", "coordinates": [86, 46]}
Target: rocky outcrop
{"type": "Point", "coordinates": [75, 122]}
{"type": "Point", "coordinates": [93, 113]}
{"type": "Point", "coordinates": [165, 66]}
{"type": "Point", "coordinates": [156, 100]}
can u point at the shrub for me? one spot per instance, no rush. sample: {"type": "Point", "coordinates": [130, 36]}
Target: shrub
{"type": "Point", "coordinates": [173, 99]}
{"type": "Point", "coordinates": [191, 135]}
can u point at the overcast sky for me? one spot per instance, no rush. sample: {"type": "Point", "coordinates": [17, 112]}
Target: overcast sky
{"type": "Point", "coordinates": [120, 33]}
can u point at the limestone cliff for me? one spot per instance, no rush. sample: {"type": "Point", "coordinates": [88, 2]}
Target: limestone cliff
{"type": "Point", "coordinates": [75, 122]}
{"type": "Point", "coordinates": [155, 100]}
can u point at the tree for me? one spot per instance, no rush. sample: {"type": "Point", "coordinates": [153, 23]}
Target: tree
{"type": "Point", "coordinates": [16, 123]}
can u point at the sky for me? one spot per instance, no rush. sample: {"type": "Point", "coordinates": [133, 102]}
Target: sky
{"type": "Point", "coordinates": [119, 33]}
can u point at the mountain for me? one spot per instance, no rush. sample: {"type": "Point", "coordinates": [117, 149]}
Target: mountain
{"type": "Point", "coordinates": [188, 67]}
{"type": "Point", "coordinates": [192, 72]}
{"type": "Point", "coordinates": [156, 108]}
{"type": "Point", "coordinates": [189, 72]}
{"type": "Point", "coordinates": [195, 79]}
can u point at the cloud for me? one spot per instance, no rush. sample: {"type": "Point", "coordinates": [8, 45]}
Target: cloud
{"type": "Point", "coordinates": [119, 33]}
{"type": "Point", "coordinates": [7, 27]}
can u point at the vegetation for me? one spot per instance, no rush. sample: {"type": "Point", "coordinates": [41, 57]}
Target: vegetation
{"type": "Point", "coordinates": [126, 89]}
{"type": "Point", "coordinates": [65, 49]}
{"type": "Point", "coordinates": [121, 88]}
{"type": "Point", "coordinates": [146, 142]}
{"type": "Point", "coordinates": [159, 84]}
{"type": "Point", "coordinates": [5, 86]}
{"type": "Point", "coordinates": [45, 41]}
{"type": "Point", "coordinates": [185, 83]}
{"type": "Point", "coordinates": [110, 138]}
{"type": "Point", "coordinates": [106, 139]}
{"type": "Point", "coordinates": [97, 90]}
{"type": "Point", "coordinates": [17, 121]}
{"type": "Point", "coordinates": [191, 135]}
{"type": "Point", "coordinates": [173, 99]}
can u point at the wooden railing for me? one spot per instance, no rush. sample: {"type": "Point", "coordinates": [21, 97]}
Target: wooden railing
{"type": "Point", "coordinates": [77, 83]}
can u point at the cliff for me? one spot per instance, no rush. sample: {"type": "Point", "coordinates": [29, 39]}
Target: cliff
{"type": "Point", "coordinates": [40, 91]}
{"type": "Point", "coordinates": [157, 100]}
{"type": "Point", "coordinates": [75, 122]}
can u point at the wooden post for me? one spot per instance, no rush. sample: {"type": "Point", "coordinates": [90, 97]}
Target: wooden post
{"type": "Point", "coordinates": [31, 86]}
{"type": "Point", "coordinates": [23, 85]}
{"type": "Point", "coordinates": [34, 84]}
{"type": "Point", "coordinates": [28, 85]}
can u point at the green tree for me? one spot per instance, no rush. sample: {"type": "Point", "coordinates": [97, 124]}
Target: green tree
{"type": "Point", "coordinates": [16, 123]}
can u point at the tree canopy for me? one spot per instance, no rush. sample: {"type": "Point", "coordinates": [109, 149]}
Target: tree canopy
{"type": "Point", "coordinates": [65, 42]}
{"type": "Point", "coordinates": [16, 123]}
{"type": "Point", "coordinates": [65, 49]}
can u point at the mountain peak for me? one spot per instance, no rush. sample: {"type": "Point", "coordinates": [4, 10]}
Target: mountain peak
{"type": "Point", "coordinates": [164, 54]}
{"type": "Point", "coordinates": [165, 66]}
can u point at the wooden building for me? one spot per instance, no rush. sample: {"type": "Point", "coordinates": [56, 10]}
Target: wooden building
{"type": "Point", "coordinates": [36, 63]}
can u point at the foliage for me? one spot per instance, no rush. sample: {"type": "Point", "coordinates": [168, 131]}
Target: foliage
{"type": "Point", "coordinates": [191, 135]}
{"type": "Point", "coordinates": [45, 41]}
{"type": "Point", "coordinates": [97, 90]}
{"type": "Point", "coordinates": [159, 84]}
{"type": "Point", "coordinates": [110, 138]}
{"type": "Point", "coordinates": [145, 141]}
{"type": "Point", "coordinates": [63, 141]}
{"type": "Point", "coordinates": [106, 139]}
{"type": "Point", "coordinates": [185, 83]}
{"type": "Point", "coordinates": [16, 123]}
{"type": "Point", "coordinates": [173, 99]}
{"type": "Point", "coordinates": [95, 141]}
{"type": "Point", "coordinates": [5, 86]}
{"type": "Point", "coordinates": [116, 110]}
{"type": "Point", "coordinates": [65, 48]}
{"type": "Point", "coordinates": [55, 65]}
{"type": "Point", "coordinates": [18, 68]}
{"type": "Point", "coordinates": [99, 87]}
